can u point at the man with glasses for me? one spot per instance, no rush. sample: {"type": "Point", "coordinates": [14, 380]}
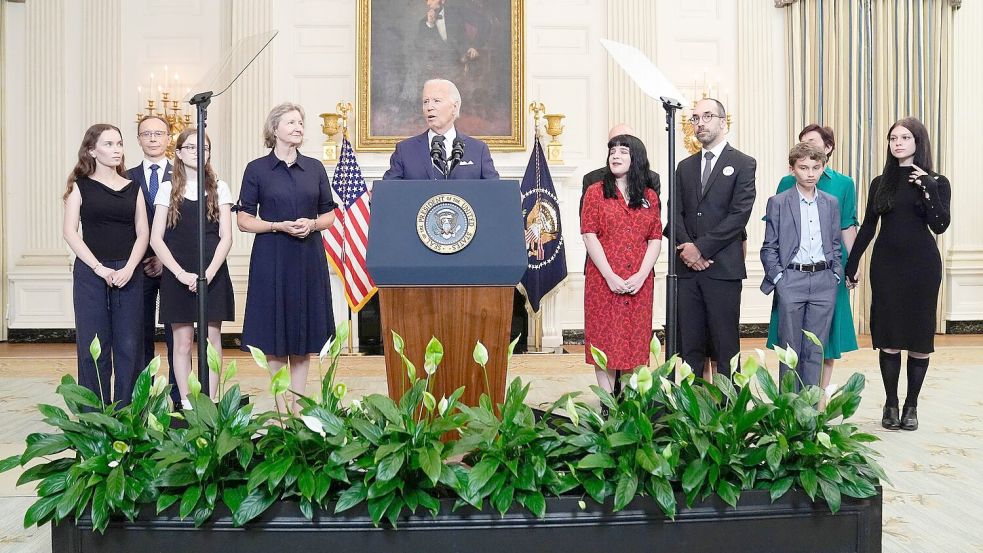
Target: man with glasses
{"type": "Point", "coordinates": [154, 136]}
{"type": "Point", "coordinates": [716, 193]}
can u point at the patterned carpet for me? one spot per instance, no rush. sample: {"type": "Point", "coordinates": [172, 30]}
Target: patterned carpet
{"type": "Point", "coordinates": [932, 504]}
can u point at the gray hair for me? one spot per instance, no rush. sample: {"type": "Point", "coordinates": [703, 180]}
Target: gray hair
{"type": "Point", "coordinates": [273, 121]}
{"type": "Point", "coordinates": [455, 93]}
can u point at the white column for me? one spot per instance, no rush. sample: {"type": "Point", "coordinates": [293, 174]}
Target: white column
{"type": "Point", "coordinates": [245, 107]}
{"type": "Point", "coordinates": [100, 86]}
{"type": "Point", "coordinates": [760, 127]}
{"type": "Point", "coordinates": [46, 106]}
{"type": "Point", "coordinates": [964, 262]}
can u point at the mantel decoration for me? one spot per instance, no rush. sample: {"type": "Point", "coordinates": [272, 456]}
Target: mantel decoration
{"type": "Point", "coordinates": [674, 443]}
{"type": "Point", "coordinates": [161, 99]}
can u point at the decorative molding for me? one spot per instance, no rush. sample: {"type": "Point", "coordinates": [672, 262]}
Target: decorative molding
{"type": "Point", "coordinates": [784, 3]}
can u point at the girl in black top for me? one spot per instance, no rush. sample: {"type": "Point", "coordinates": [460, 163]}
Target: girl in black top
{"type": "Point", "coordinates": [911, 202]}
{"type": "Point", "coordinates": [107, 287]}
{"type": "Point", "coordinates": [175, 240]}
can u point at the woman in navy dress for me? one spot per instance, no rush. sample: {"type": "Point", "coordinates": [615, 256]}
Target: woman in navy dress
{"type": "Point", "coordinates": [286, 201]}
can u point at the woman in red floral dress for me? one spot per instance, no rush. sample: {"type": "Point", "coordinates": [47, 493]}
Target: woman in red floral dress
{"type": "Point", "coordinates": [622, 230]}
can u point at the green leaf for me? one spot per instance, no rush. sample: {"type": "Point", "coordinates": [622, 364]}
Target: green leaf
{"type": "Point", "coordinates": [95, 349]}
{"type": "Point", "coordinates": [430, 462]}
{"type": "Point", "coordinates": [512, 344]}
{"type": "Point", "coordinates": [389, 467]}
{"type": "Point", "coordinates": [231, 370]}
{"type": "Point", "coordinates": [596, 461]}
{"type": "Point", "coordinates": [115, 485]}
{"type": "Point", "coordinates": [728, 492]}
{"type": "Point", "coordinates": [662, 491]}
{"type": "Point", "coordinates": [809, 482]}
{"type": "Point", "coordinates": [433, 355]}
{"type": "Point", "coordinates": [501, 499]}
{"type": "Point", "coordinates": [9, 463]}
{"type": "Point", "coordinates": [535, 502]}
{"type": "Point", "coordinates": [280, 382]}
{"type": "Point", "coordinates": [260, 358]}
{"type": "Point", "coordinates": [214, 359]}
{"type": "Point", "coordinates": [625, 491]}
{"type": "Point", "coordinates": [398, 343]}
{"type": "Point", "coordinates": [194, 386]}
{"type": "Point", "coordinates": [41, 511]}
{"type": "Point", "coordinates": [354, 495]}
{"type": "Point", "coordinates": [480, 354]}
{"type": "Point", "coordinates": [306, 483]}
{"type": "Point", "coordinates": [141, 391]}
{"type": "Point", "coordinates": [600, 358]}
{"type": "Point", "coordinates": [253, 505]}
{"type": "Point", "coordinates": [655, 347]}
{"type": "Point", "coordinates": [481, 473]}
{"type": "Point", "coordinates": [48, 444]}
{"type": "Point", "coordinates": [189, 500]}
{"type": "Point", "coordinates": [779, 487]}
{"type": "Point", "coordinates": [831, 493]}
{"type": "Point", "coordinates": [385, 406]}
{"type": "Point", "coordinates": [166, 500]}
{"type": "Point", "coordinates": [619, 439]}
{"type": "Point", "coordinates": [694, 476]}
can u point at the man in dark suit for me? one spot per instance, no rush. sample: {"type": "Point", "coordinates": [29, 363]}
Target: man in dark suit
{"type": "Point", "coordinates": [598, 174]}
{"type": "Point", "coordinates": [412, 159]}
{"type": "Point", "coordinates": [716, 193]}
{"type": "Point", "coordinates": [453, 46]}
{"type": "Point", "coordinates": [154, 135]}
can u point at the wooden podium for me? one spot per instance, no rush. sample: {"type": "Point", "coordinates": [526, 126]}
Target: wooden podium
{"type": "Point", "coordinates": [456, 285]}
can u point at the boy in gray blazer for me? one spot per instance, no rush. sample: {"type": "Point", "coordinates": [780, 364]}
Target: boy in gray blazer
{"type": "Point", "coordinates": [801, 259]}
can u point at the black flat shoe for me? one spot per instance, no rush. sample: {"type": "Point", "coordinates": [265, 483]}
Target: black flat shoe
{"type": "Point", "coordinates": [604, 411]}
{"type": "Point", "coordinates": [890, 419]}
{"type": "Point", "coordinates": [909, 420]}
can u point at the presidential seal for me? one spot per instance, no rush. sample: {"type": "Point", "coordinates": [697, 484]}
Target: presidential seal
{"type": "Point", "coordinates": [446, 223]}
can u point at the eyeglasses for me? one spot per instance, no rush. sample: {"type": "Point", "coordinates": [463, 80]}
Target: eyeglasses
{"type": "Point", "coordinates": [706, 117]}
{"type": "Point", "coordinates": [155, 134]}
{"type": "Point", "coordinates": [193, 147]}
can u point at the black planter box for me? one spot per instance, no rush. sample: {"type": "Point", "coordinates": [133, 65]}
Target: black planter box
{"type": "Point", "coordinates": [793, 524]}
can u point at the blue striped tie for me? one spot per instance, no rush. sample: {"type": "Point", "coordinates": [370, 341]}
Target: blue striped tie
{"type": "Point", "coordinates": [154, 182]}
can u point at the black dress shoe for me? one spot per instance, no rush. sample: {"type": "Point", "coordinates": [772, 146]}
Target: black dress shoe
{"type": "Point", "coordinates": [604, 411]}
{"type": "Point", "coordinates": [909, 420]}
{"type": "Point", "coordinates": [890, 419]}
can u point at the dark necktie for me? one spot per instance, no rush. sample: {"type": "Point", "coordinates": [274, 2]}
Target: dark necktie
{"type": "Point", "coordinates": [706, 172]}
{"type": "Point", "coordinates": [438, 142]}
{"type": "Point", "coordinates": [154, 182]}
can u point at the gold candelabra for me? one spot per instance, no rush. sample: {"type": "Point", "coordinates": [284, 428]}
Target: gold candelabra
{"type": "Point", "coordinates": [690, 142]}
{"type": "Point", "coordinates": [332, 123]}
{"type": "Point", "coordinates": [160, 102]}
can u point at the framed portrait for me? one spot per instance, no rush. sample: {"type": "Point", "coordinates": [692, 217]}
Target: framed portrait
{"type": "Point", "coordinates": [477, 44]}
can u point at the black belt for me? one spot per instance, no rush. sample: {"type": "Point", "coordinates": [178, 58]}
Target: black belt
{"type": "Point", "coordinates": [810, 268]}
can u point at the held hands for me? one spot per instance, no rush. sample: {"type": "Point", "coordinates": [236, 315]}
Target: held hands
{"type": "Point", "coordinates": [851, 282]}
{"type": "Point", "coordinates": [188, 279]}
{"type": "Point", "coordinates": [616, 284]}
{"type": "Point", "coordinates": [298, 229]}
{"type": "Point", "coordinates": [121, 277]}
{"type": "Point", "coordinates": [635, 282]}
{"type": "Point", "coordinates": [692, 257]}
{"type": "Point", "coordinates": [153, 267]}
{"type": "Point", "coordinates": [105, 273]}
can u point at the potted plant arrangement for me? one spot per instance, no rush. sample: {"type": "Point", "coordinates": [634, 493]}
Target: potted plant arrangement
{"type": "Point", "coordinates": [692, 464]}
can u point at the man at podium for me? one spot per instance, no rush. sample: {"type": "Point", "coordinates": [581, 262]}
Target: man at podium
{"type": "Point", "coordinates": [441, 152]}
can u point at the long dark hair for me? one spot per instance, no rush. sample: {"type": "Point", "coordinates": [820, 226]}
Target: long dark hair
{"type": "Point", "coordinates": [884, 202]}
{"type": "Point", "coordinates": [86, 164]}
{"type": "Point", "coordinates": [639, 176]}
{"type": "Point", "coordinates": [179, 182]}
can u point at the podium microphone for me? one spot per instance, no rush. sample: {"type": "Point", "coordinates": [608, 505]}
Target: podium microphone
{"type": "Point", "coordinates": [437, 154]}
{"type": "Point", "coordinates": [457, 152]}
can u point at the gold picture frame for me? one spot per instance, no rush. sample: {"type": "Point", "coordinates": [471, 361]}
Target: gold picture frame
{"type": "Point", "coordinates": [396, 54]}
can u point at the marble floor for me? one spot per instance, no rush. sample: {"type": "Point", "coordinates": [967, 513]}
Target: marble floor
{"type": "Point", "coordinates": [932, 504]}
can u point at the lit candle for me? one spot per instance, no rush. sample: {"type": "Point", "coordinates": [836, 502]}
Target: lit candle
{"type": "Point", "coordinates": [166, 77]}
{"type": "Point", "coordinates": [139, 97]}
{"type": "Point", "coordinates": [153, 84]}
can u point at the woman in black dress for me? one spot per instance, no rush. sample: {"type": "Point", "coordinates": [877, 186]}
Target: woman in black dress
{"type": "Point", "coordinates": [107, 289]}
{"type": "Point", "coordinates": [911, 202]}
{"type": "Point", "coordinates": [174, 238]}
{"type": "Point", "coordinates": [286, 201]}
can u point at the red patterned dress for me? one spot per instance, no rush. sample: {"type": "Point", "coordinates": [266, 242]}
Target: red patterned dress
{"type": "Point", "coordinates": [620, 325]}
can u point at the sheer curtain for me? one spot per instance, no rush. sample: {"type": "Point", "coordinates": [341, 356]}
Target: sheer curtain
{"type": "Point", "coordinates": [857, 67]}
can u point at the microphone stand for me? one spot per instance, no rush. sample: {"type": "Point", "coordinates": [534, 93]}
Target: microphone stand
{"type": "Point", "coordinates": [201, 101]}
{"type": "Point", "coordinates": [671, 105]}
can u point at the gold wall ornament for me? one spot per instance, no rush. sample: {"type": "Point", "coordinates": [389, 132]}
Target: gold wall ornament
{"type": "Point", "coordinates": [690, 142]}
{"type": "Point", "coordinates": [537, 109]}
{"type": "Point", "coordinates": [344, 108]}
{"type": "Point", "coordinates": [329, 126]}
{"type": "Point", "coordinates": [554, 150]}
{"type": "Point", "coordinates": [160, 102]}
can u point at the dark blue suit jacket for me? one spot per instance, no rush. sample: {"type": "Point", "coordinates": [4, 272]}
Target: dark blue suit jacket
{"type": "Point", "coordinates": [136, 174]}
{"type": "Point", "coordinates": [411, 161]}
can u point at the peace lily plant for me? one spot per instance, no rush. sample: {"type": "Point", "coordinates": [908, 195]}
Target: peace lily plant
{"type": "Point", "coordinates": [669, 441]}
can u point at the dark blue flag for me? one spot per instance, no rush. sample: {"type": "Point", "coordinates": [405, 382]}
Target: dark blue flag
{"type": "Point", "coordinates": [544, 236]}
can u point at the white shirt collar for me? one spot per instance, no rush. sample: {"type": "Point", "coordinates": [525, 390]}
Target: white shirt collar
{"type": "Point", "coordinates": [716, 150]}
{"type": "Point", "coordinates": [147, 163]}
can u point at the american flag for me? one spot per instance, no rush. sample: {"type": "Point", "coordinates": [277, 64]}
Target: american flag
{"type": "Point", "coordinates": [346, 240]}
